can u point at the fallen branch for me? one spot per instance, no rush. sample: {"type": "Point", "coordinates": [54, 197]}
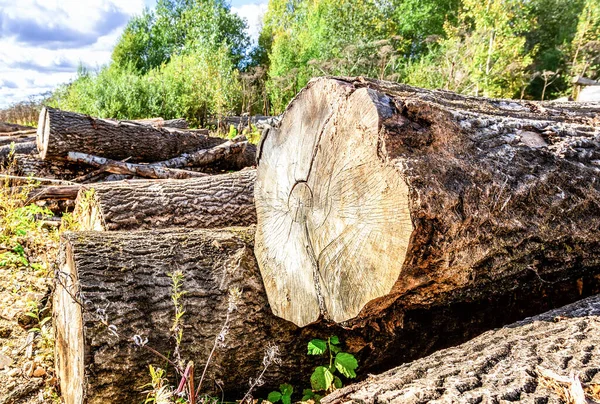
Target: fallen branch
{"type": "Point", "coordinates": [142, 170]}
{"type": "Point", "coordinates": [204, 157]}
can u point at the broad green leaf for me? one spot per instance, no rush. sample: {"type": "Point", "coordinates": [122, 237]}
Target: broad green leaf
{"type": "Point", "coordinates": [307, 394]}
{"type": "Point", "coordinates": [286, 399]}
{"type": "Point", "coordinates": [335, 349]}
{"type": "Point", "coordinates": [321, 378]}
{"type": "Point", "coordinates": [337, 382]}
{"type": "Point", "coordinates": [334, 340]}
{"type": "Point", "coordinates": [317, 347]}
{"type": "Point", "coordinates": [346, 364]}
{"type": "Point", "coordinates": [274, 396]}
{"type": "Point", "coordinates": [286, 389]}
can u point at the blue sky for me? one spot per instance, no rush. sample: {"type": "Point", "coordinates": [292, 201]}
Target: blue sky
{"type": "Point", "coordinates": [42, 42]}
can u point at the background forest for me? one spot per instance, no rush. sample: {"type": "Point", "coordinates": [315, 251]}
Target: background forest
{"type": "Point", "coordinates": [193, 59]}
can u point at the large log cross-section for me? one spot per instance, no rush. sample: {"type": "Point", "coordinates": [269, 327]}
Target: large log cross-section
{"type": "Point", "coordinates": [367, 191]}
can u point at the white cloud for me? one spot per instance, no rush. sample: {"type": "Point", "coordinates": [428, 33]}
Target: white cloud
{"type": "Point", "coordinates": [42, 42]}
{"type": "Point", "coordinates": [253, 13]}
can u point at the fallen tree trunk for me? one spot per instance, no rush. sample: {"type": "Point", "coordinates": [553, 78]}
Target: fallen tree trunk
{"type": "Point", "coordinates": [31, 165]}
{"type": "Point", "coordinates": [122, 279]}
{"type": "Point", "coordinates": [130, 291]}
{"type": "Point", "coordinates": [209, 202]}
{"type": "Point", "coordinates": [142, 170]}
{"type": "Point", "coordinates": [61, 132]}
{"type": "Point", "coordinates": [6, 127]}
{"type": "Point", "coordinates": [529, 361]}
{"type": "Point", "coordinates": [17, 148]}
{"type": "Point", "coordinates": [383, 190]}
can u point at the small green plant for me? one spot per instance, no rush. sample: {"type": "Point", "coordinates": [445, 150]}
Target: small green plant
{"type": "Point", "coordinates": [284, 394]}
{"type": "Point", "coordinates": [232, 132]}
{"type": "Point", "coordinates": [325, 379]}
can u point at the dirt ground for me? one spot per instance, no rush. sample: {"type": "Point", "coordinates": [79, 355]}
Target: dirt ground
{"type": "Point", "coordinates": [26, 356]}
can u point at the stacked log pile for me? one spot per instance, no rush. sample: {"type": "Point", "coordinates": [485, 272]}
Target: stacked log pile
{"type": "Point", "coordinates": [401, 220]}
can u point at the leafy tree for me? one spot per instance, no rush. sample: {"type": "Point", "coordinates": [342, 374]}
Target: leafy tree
{"type": "Point", "coordinates": [585, 48]}
{"type": "Point", "coordinates": [178, 26]}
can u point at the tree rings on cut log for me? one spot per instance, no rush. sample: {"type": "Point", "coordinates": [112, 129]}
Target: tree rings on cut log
{"type": "Point", "coordinates": [369, 190]}
{"type": "Point", "coordinates": [323, 250]}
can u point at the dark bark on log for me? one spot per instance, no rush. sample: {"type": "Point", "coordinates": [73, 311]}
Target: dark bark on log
{"type": "Point", "coordinates": [17, 148]}
{"type": "Point", "coordinates": [17, 180]}
{"type": "Point", "coordinates": [180, 123]}
{"type": "Point", "coordinates": [17, 137]}
{"type": "Point", "coordinates": [506, 365]}
{"type": "Point", "coordinates": [61, 132]}
{"type": "Point", "coordinates": [142, 170]}
{"type": "Point", "coordinates": [6, 127]}
{"type": "Point", "coordinates": [210, 202]}
{"type": "Point", "coordinates": [127, 271]}
{"type": "Point", "coordinates": [31, 165]}
{"type": "Point", "coordinates": [383, 190]}
{"type": "Point", "coordinates": [58, 192]}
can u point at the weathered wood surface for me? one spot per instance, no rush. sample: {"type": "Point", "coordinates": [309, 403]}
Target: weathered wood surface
{"type": "Point", "coordinates": [61, 132]}
{"type": "Point", "coordinates": [505, 365]}
{"type": "Point", "coordinates": [6, 127]}
{"type": "Point", "coordinates": [124, 275]}
{"type": "Point", "coordinates": [18, 148]}
{"type": "Point", "coordinates": [210, 202]}
{"type": "Point", "coordinates": [32, 165]}
{"type": "Point", "coordinates": [142, 170]}
{"type": "Point", "coordinates": [17, 137]}
{"type": "Point", "coordinates": [179, 123]}
{"type": "Point", "coordinates": [229, 155]}
{"type": "Point", "coordinates": [383, 190]}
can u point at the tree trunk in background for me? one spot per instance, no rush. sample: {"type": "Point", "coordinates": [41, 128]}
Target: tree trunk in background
{"type": "Point", "coordinates": [122, 279]}
{"type": "Point", "coordinates": [208, 202]}
{"type": "Point", "coordinates": [518, 363]}
{"type": "Point", "coordinates": [179, 123]}
{"type": "Point", "coordinates": [382, 190]}
{"type": "Point", "coordinates": [61, 132]}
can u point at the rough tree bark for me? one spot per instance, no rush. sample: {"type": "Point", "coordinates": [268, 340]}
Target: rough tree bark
{"type": "Point", "coordinates": [61, 132]}
{"type": "Point", "coordinates": [382, 190]}
{"type": "Point", "coordinates": [179, 123]}
{"type": "Point", "coordinates": [17, 148]}
{"type": "Point", "coordinates": [512, 364]}
{"type": "Point", "coordinates": [31, 165]}
{"type": "Point", "coordinates": [122, 279]}
{"type": "Point", "coordinates": [210, 202]}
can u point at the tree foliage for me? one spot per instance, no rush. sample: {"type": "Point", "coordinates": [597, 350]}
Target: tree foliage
{"type": "Point", "coordinates": [192, 58]}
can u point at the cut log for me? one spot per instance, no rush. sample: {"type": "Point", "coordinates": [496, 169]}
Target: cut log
{"type": "Point", "coordinates": [6, 127]}
{"type": "Point", "coordinates": [122, 278]}
{"type": "Point", "coordinates": [61, 132]}
{"type": "Point", "coordinates": [31, 165]}
{"type": "Point", "coordinates": [381, 190]}
{"type": "Point", "coordinates": [17, 148]}
{"type": "Point", "coordinates": [209, 202]}
{"type": "Point", "coordinates": [526, 362]}
{"type": "Point", "coordinates": [142, 170]}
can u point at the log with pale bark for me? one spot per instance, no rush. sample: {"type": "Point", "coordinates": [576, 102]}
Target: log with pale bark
{"type": "Point", "coordinates": [229, 155]}
{"type": "Point", "coordinates": [179, 123]}
{"type": "Point", "coordinates": [122, 280]}
{"type": "Point", "coordinates": [539, 360]}
{"type": "Point", "coordinates": [60, 132]}
{"type": "Point", "coordinates": [142, 170]}
{"type": "Point", "coordinates": [383, 191]}
{"type": "Point", "coordinates": [210, 202]}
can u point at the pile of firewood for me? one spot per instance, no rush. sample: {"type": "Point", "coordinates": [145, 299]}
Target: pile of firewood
{"type": "Point", "coordinates": [399, 219]}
